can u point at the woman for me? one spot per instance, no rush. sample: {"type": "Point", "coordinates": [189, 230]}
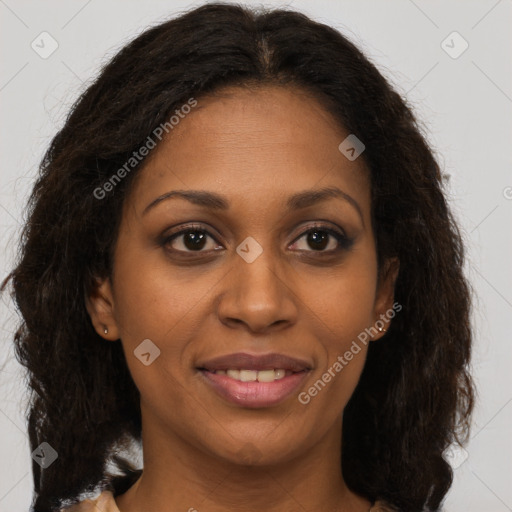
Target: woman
{"type": "Point", "coordinates": [239, 255]}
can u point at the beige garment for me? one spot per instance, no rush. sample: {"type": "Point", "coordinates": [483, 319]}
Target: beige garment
{"type": "Point", "coordinates": [380, 506]}
{"type": "Point", "coordinates": [105, 503]}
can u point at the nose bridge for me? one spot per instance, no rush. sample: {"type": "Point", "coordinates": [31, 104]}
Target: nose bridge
{"type": "Point", "coordinates": [257, 268]}
{"type": "Point", "coordinates": [258, 294]}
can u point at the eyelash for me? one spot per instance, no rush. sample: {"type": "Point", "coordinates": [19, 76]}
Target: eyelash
{"type": "Point", "coordinates": [344, 243]}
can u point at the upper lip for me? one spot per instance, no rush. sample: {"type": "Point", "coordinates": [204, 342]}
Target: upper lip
{"type": "Point", "coordinates": [259, 362]}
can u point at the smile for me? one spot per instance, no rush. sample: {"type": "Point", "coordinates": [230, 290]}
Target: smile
{"type": "Point", "coordinates": [254, 380]}
{"type": "Point", "coordinates": [254, 393]}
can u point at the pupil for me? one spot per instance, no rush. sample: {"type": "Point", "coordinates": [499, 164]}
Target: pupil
{"type": "Point", "coordinates": [318, 238]}
{"type": "Point", "coordinates": [196, 239]}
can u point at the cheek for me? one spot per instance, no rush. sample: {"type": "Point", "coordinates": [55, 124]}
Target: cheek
{"type": "Point", "coordinates": [343, 308]}
{"type": "Point", "coordinates": [151, 303]}
{"type": "Point", "coordinates": [345, 341]}
{"type": "Point", "coordinates": [342, 313]}
{"type": "Point", "coordinates": [154, 300]}
{"type": "Point", "coordinates": [342, 302]}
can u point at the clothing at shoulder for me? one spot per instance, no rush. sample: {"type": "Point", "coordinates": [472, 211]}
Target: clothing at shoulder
{"type": "Point", "coordinates": [103, 503]}
{"type": "Point", "coordinates": [381, 506]}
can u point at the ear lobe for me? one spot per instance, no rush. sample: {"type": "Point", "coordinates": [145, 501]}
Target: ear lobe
{"type": "Point", "coordinates": [100, 306]}
{"type": "Point", "coordinates": [385, 294]}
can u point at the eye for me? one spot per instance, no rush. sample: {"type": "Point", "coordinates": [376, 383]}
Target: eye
{"type": "Point", "coordinates": [193, 238]}
{"type": "Point", "coordinates": [319, 237]}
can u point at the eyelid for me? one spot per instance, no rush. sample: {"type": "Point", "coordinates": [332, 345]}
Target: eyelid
{"type": "Point", "coordinates": [189, 226]}
{"type": "Point", "coordinates": [185, 228]}
{"type": "Point", "coordinates": [344, 241]}
{"type": "Point", "coordinates": [324, 226]}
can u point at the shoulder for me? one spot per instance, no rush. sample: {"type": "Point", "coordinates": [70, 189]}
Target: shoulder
{"type": "Point", "coordinates": [104, 502]}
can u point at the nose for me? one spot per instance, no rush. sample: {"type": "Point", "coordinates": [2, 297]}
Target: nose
{"type": "Point", "coordinates": [258, 295]}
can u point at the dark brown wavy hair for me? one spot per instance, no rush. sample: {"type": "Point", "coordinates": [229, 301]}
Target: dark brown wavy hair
{"type": "Point", "coordinates": [415, 395]}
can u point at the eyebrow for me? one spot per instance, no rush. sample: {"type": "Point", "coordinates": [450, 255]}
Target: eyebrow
{"type": "Point", "coordinates": [297, 201]}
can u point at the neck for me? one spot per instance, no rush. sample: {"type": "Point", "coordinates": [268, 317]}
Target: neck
{"type": "Point", "coordinates": [178, 476]}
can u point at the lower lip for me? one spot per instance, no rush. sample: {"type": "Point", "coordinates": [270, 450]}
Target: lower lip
{"type": "Point", "coordinates": [254, 394]}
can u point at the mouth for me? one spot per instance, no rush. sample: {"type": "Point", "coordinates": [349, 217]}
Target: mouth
{"type": "Point", "coordinates": [254, 381]}
{"type": "Point", "coordinates": [245, 375]}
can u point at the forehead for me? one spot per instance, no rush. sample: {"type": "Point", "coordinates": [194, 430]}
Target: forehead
{"type": "Point", "coordinates": [258, 143]}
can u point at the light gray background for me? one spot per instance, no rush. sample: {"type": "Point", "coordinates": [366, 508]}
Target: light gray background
{"type": "Point", "coordinates": [465, 105]}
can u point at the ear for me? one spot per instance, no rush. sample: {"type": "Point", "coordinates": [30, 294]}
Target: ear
{"type": "Point", "coordinates": [100, 306]}
{"type": "Point", "coordinates": [384, 301]}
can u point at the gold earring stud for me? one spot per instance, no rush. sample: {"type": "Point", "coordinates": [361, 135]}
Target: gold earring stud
{"type": "Point", "coordinates": [381, 329]}
{"type": "Point", "coordinates": [105, 330]}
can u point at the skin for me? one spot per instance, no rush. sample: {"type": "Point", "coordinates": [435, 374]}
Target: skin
{"type": "Point", "coordinates": [256, 148]}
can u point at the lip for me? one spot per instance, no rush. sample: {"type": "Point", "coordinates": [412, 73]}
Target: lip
{"type": "Point", "coordinates": [246, 361]}
{"type": "Point", "coordinates": [254, 395]}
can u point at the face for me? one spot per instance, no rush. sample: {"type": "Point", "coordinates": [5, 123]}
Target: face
{"type": "Point", "coordinates": [263, 269]}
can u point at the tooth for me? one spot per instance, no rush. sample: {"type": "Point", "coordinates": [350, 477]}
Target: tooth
{"type": "Point", "coordinates": [234, 374]}
{"type": "Point", "coordinates": [266, 376]}
{"type": "Point", "coordinates": [248, 375]}
{"type": "Point", "coordinates": [254, 375]}
{"type": "Point", "coordinates": [280, 373]}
